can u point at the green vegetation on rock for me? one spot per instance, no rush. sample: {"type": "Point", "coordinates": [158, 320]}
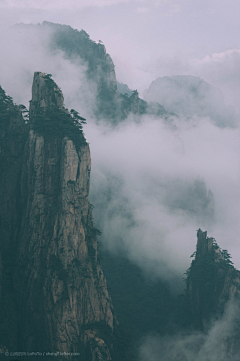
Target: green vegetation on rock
{"type": "Point", "coordinates": [208, 280]}
{"type": "Point", "coordinates": [59, 123]}
{"type": "Point", "coordinates": [7, 109]}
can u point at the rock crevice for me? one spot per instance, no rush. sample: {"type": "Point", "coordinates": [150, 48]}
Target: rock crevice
{"type": "Point", "coordinates": [59, 290]}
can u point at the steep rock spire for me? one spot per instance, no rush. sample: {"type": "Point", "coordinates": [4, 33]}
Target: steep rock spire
{"type": "Point", "coordinates": [45, 93]}
{"type": "Point", "coordinates": [61, 302]}
{"type": "Point", "coordinates": [211, 281]}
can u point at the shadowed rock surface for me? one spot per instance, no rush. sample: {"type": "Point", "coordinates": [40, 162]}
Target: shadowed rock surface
{"type": "Point", "coordinates": [211, 281]}
{"type": "Point", "coordinates": [54, 296]}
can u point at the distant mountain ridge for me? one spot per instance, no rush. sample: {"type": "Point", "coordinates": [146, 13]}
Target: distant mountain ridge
{"type": "Point", "coordinates": [124, 89]}
{"type": "Point", "coordinates": [111, 104]}
{"type": "Point", "coordinates": [188, 95]}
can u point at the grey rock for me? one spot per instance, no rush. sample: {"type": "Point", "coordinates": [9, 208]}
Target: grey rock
{"type": "Point", "coordinates": [60, 297]}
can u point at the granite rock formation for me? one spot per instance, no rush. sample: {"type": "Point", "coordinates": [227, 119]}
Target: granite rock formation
{"type": "Point", "coordinates": [54, 296]}
{"type": "Point", "coordinates": [211, 281]}
{"type": "Point", "coordinates": [108, 103]}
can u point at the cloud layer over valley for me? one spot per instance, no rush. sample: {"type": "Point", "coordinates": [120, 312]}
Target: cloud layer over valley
{"type": "Point", "coordinates": [149, 192]}
{"type": "Point", "coordinates": [154, 182]}
{"type": "Point", "coordinates": [150, 180]}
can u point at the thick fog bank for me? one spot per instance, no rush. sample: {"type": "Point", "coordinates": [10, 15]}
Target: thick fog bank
{"type": "Point", "coordinates": [189, 95]}
{"type": "Point", "coordinates": [150, 188]}
{"type": "Point", "coordinates": [152, 185]}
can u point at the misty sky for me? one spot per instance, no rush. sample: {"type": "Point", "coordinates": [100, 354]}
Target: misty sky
{"type": "Point", "coordinates": [139, 170]}
{"type": "Point", "coordinates": [152, 38]}
{"type": "Point", "coordinates": [146, 39]}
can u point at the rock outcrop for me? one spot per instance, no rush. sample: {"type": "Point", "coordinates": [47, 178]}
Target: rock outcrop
{"type": "Point", "coordinates": [49, 265]}
{"type": "Point", "coordinates": [211, 281]}
{"type": "Point", "coordinates": [104, 101]}
{"type": "Point", "coordinates": [111, 105]}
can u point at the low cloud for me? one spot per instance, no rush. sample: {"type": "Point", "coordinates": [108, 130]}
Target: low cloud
{"type": "Point", "coordinates": [222, 70]}
{"type": "Point", "coordinates": [142, 186]}
{"type": "Point", "coordinates": [150, 182]}
{"type": "Point", "coordinates": [26, 49]}
{"type": "Point", "coordinates": [220, 343]}
{"type": "Point", "coordinates": [187, 96]}
{"type": "Point", "coordinates": [218, 69]}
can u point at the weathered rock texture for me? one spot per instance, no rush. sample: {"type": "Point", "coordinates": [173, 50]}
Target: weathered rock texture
{"type": "Point", "coordinates": [211, 280]}
{"type": "Point", "coordinates": [54, 281]}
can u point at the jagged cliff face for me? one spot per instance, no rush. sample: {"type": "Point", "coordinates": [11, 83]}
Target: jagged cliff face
{"type": "Point", "coordinates": [108, 103]}
{"type": "Point", "coordinates": [211, 280]}
{"type": "Point", "coordinates": [100, 67]}
{"type": "Point", "coordinates": [58, 289]}
{"type": "Point", "coordinates": [111, 104]}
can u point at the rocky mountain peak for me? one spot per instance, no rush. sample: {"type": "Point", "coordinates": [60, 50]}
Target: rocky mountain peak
{"type": "Point", "coordinates": [50, 271]}
{"type": "Point", "coordinates": [45, 93]}
{"type": "Point", "coordinates": [206, 247]}
{"type": "Point", "coordinates": [211, 281]}
{"type": "Point", "coordinates": [204, 243]}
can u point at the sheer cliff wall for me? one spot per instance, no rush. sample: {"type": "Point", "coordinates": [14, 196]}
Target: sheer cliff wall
{"type": "Point", "coordinates": [58, 293]}
{"type": "Point", "coordinates": [211, 281]}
